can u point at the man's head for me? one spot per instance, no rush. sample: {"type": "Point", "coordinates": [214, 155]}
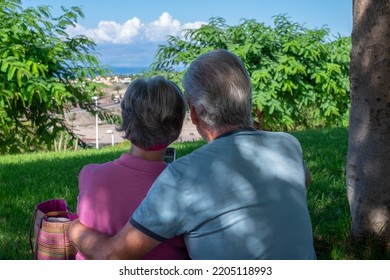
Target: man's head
{"type": "Point", "coordinates": [152, 113]}
{"type": "Point", "coordinates": [219, 88]}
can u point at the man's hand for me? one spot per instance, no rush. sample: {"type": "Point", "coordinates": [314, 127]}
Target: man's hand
{"type": "Point", "coordinates": [74, 231]}
{"type": "Point", "coordinates": [85, 239]}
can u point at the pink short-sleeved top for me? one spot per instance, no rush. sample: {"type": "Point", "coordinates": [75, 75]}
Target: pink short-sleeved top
{"type": "Point", "coordinates": [110, 192]}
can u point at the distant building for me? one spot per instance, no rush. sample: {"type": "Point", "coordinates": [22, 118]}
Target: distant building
{"type": "Point", "coordinates": [126, 80]}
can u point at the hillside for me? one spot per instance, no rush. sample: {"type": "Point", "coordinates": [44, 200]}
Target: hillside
{"type": "Point", "coordinates": [84, 124]}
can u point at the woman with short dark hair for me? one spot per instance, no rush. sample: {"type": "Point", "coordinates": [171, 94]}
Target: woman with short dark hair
{"type": "Point", "coordinates": [152, 118]}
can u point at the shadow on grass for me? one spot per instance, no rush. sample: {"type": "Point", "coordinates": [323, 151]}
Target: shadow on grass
{"type": "Point", "coordinates": [352, 249]}
{"type": "Point", "coordinates": [325, 153]}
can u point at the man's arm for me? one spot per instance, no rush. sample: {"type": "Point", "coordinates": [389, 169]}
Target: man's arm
{"type": "Point", "coordinates": [129, 243]}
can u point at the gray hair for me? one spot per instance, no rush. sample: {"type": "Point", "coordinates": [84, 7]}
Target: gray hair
{"type": "Point", "coordinates": [153, 112]}
{"type": "Point", "coordinates": [219, 87]}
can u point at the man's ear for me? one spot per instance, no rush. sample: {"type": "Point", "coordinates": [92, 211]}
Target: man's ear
{"type": "Point", "coordinates": [194, 115]}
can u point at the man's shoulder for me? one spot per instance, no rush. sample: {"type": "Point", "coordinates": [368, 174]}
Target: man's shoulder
{"type": "Point", "coordinates": [280, 135]}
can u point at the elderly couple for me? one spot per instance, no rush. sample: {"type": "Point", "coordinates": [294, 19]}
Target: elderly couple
{"type": "Point", "coordinates": [240, 196]}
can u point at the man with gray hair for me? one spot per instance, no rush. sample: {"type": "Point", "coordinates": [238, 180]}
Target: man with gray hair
{"type": "Point", "coordinates": [240, 196]}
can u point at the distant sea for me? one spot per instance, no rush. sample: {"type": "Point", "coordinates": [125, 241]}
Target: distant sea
{"type": "Point", "coordinates": [124, 71]}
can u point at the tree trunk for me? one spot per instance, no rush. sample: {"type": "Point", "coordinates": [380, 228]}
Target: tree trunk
{"type": "Point", "coordinates": [368, 161]}
{"type": "Point", "coordinates": [259, 124]}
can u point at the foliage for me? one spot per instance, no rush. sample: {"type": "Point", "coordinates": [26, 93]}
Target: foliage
{"type": "Point", "coordinates": [300, 76]}
{"type": "Point", "coordinates": [43, 73]}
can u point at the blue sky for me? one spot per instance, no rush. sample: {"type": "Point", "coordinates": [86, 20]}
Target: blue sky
{"type": "Point", "coordinates": [128, 32]}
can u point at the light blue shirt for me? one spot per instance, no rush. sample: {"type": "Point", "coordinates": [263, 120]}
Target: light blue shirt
{"type": "Point", "coordinates": [241, 196]}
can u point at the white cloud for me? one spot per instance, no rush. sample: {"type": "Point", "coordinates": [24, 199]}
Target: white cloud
{"type": "Point", "coordinates": [133, 43]}
{"type": "Point", "coordinates": [110, 31]}
{"type": "Point", "coordinates": [157, 30]}
{"type": "Point", "coordinates": [133, 30]}
{"type": "Point", "coordinates": [191, 25]}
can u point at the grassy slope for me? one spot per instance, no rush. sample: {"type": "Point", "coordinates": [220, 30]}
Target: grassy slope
{"type": "Point", "coordinates": [31, 178]}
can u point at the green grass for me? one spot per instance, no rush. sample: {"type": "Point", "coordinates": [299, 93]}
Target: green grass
{"type": "Point", "coordinates": [30, 178]}
{"type": "Point", "coordinates": [325, 154]}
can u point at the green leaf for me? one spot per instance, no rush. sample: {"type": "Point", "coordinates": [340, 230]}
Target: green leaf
{"type": "Point", "coordinates": [11, 72]}
{"type": "Point", "coordinates": [4, 66]}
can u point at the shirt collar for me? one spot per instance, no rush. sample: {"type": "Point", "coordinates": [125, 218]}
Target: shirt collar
{"type": "Point", "coordinates": [234, 131]}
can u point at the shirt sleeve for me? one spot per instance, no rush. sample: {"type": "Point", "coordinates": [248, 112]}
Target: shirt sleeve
{"type": "Point", "coordinates": [160, 214]}
{"type": "Point", "coordinates": [146, 231]}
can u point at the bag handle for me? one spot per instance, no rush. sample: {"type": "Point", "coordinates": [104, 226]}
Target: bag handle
{"type": "Point", "coordinates": [55, 214]}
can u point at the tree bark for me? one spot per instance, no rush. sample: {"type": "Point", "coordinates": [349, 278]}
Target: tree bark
{"type": "Point", "coordinates": [368, 160]}
{"type": "Point", "coordinates": [259, 124]}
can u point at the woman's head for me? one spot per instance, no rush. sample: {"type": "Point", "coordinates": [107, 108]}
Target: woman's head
{"type": "Point", "coordinates": [218, 86]}
{"type": "Point", "coordinates": [153, 111]}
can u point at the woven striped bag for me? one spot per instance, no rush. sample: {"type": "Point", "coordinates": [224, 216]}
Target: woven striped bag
{"type": "Point", "coordinates": [49, 229]}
